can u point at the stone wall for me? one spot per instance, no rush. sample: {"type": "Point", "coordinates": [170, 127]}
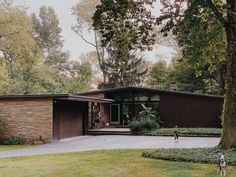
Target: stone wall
{"type": "Point", "coordinates": [28, 119]}
{"type": "Point", "coordinates": [105, 113]}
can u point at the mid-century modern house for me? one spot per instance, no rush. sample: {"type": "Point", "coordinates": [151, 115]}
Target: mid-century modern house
{"type": "Point", "coordinates": [51, 117]}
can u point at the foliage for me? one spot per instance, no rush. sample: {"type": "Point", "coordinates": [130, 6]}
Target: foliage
{"type": "Point", "coordinates": [159, 75]}
{"type": "Point", "coordinates": [83, 12]}
{"type": "Point", "coordinates": [206, 50]}
{"type": "Point", "coordinates": [147, 113]}
{"type": "Point", "coordinates": [6, 82]}
{"type": "Point", "coordinates": [49, 39]}
{"type": "Point", "coordinates": [80, 76]}
{"type": "Point", "coordinates": [121, 74]}
{"type": "Point", "coordinates": [203, 155]}
{"type": "Point", "coordinates": [148, 121]}
{"type": "Point", "coordinates": [184, 75]}
{"type": "Point", "coordinates": [209, 13]}
{"type": "Point", "coordinates": [32, 59]}
{"type": "Point", "coordinates": [143, 125]}
{"type": "Point", "coordinates": [126, 29]}
{"type": "Point", "coordinates": [18, 49]}
{"type": "Point", "coordinates": [11, 141]}
{"type": "Point", "coordinates": [203, 43]}
{"type": "Point", "coordinates": [186, 132]}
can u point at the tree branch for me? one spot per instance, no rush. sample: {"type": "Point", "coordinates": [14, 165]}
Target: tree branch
{"type": "Point", "coordinates": [216, 12]}
{"type": "Point", "coordinates": [9, 34]}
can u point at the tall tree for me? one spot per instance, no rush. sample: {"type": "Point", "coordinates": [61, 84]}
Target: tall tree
{"type": "Point", "coordinates": [84, 11]}
{"type": "Point", "coordinates": [175, 12]}
{"type": "Point", "coordinates": [127, 29]}
{"type": "Point", "coordinates": [80, 74]}
{"type": "Point", "coordinates": [158, 76]}
{"type": "Point", "coordinates": [49, 39]}
{"type": "Point", "coordinates": [17, 47]}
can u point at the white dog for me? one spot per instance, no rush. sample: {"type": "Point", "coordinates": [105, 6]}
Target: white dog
{"type": "Point", "coordinates": [222, 165]}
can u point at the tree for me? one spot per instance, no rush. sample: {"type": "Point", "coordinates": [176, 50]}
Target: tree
{"type": "Point", "coordinates": [204, 46]}
{"type": "Point", "coordinates": [184, 75]}
{"type": "Point", "coordinates": [80, 76]}
{"type": "Point", "coordinates": [158, 76]}
{"type": "Point", "coordinates": [174, 13]}
{"type": "Point", "coordinates": [48, 36]}
{"type": "Point", "coordinates": [17, 47]}
{"type": "Point", "coordinates": [126, 29]}
{"type": "Point", "coordinates": [84, 11]}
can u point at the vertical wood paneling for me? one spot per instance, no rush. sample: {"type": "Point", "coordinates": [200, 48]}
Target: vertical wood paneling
{"type": "Point", "coordinates": [190, 111]}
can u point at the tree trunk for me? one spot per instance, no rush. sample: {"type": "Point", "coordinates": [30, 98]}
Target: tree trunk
{"type": "Point", "coordinates": [228, 139]}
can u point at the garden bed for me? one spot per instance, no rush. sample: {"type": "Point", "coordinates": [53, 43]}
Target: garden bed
{"type": "Point", "coordinates": [200, 132]}
{"type": "Point", "coordinates": [198, 155]}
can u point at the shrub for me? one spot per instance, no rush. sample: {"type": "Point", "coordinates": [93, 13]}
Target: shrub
{"type": "Point", "coordinates": [143, 125]}
{"type": "Point", "coordinates": [198, 155]}
{"type": "Point", "coordinates": [11, 141]}
{"type": "Point", "coordinates": [147, 121]}
{"type": "Point", "coordinates": [186, 132]}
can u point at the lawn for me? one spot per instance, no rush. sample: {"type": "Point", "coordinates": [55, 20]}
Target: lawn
{"type": "Point", "coordinates": [9, 147]}
{"type": "Point", "coordinates": [110, 163]}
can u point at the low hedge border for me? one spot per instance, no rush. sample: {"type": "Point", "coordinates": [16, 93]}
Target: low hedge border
{"type": "Point", "coordinates": [189, 132]}
{"type": "Point", "coordinates": [198, 155]}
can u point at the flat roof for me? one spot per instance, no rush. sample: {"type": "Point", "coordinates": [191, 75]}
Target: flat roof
{"type": "Point", "coordinates": [5, 97]}
{"type": "Point", "coordinates": [150, 90]}
{"type": "Point", "coordinates": [86, 99]}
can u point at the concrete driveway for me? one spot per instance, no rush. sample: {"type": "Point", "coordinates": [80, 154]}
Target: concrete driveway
{"type": "Point", "coordinates": [89, 143]}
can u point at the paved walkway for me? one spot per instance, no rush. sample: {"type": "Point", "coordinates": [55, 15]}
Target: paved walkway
{"type": "Point", "coordinates": [88, 143]}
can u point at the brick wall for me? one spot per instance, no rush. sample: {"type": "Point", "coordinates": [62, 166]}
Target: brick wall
{"type": "Point", "coordinates": [29, 119]}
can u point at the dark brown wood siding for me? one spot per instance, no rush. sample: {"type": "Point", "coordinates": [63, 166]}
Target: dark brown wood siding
{"type": "Point", "coordinates": [190, 111]}
{"type": "Point", "coordinates": [69, 118]}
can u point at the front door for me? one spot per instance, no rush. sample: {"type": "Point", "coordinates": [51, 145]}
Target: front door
{"type": "Point", "coordinates": [115, 114]}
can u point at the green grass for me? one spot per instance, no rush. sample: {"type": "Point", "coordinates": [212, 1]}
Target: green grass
{"type": "Point", "coordinates": [109, 163]}
{"type": "Point", "coordinates": [9, 147]}
{"type": "Point", "coordinates": [185, 132]}
{"type": "Point", "coordinates": [198, 155]}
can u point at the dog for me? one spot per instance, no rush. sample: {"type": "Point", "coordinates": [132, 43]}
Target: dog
{"type": "Point", "coordinates": [222, 165]}
{"type": "Point", "coordinates": [176, 136]}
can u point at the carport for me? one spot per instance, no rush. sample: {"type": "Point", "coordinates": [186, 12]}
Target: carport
{"type": "Point", "coordinates": [70, 115]}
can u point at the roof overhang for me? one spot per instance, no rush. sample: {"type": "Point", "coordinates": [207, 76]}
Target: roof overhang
{"type": "Point", "coordinates": [86, 99]}
{"type": "Point", "coordinates": [142, 89]}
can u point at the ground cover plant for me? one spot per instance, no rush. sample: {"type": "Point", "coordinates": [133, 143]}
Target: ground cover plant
{"type": "Point", "coordinates": [185, 132]}
{"type": "Point", "coordinates": [112, 163]}
{"type": "Point", "coordinates": [198, 155]}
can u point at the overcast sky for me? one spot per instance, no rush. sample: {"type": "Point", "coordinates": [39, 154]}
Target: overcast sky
{"type": "Point", "coordinates": [73, 43]}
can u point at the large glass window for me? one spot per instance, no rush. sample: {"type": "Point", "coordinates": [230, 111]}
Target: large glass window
{"type": "Point", "coordinates": [134, 96]}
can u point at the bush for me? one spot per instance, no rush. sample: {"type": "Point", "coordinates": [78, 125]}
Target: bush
{"type": "Point", "coordinates": [147, 121]}
{"type": "Point", "coordinates": [11, 141]}
{"type": "Point", "coordinates": [198, 155]}
{"type": "Point", "coordinates": [143, 125]}
{"type": "Point", "coordinates": [185, 132]}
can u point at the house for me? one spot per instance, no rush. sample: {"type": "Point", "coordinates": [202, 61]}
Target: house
{"type": "Point", "coordinates": [48, 117]}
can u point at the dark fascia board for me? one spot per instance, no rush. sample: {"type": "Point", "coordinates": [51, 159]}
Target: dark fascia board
{"type": "Point", "coordinates": [87, 99]}
{"type": "Point", "coordinates": [52, 96]}
{"type": "Point", "coordinates": [167, 92]}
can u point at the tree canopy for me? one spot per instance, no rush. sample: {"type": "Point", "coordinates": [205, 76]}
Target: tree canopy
{"type": "Point", "coordinates": [126, 29]}
{"type": "Point", "coordinates": [220, 14]}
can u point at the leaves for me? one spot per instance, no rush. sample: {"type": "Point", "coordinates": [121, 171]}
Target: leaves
{"type": "Point", "coordinates": [127, 29]}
